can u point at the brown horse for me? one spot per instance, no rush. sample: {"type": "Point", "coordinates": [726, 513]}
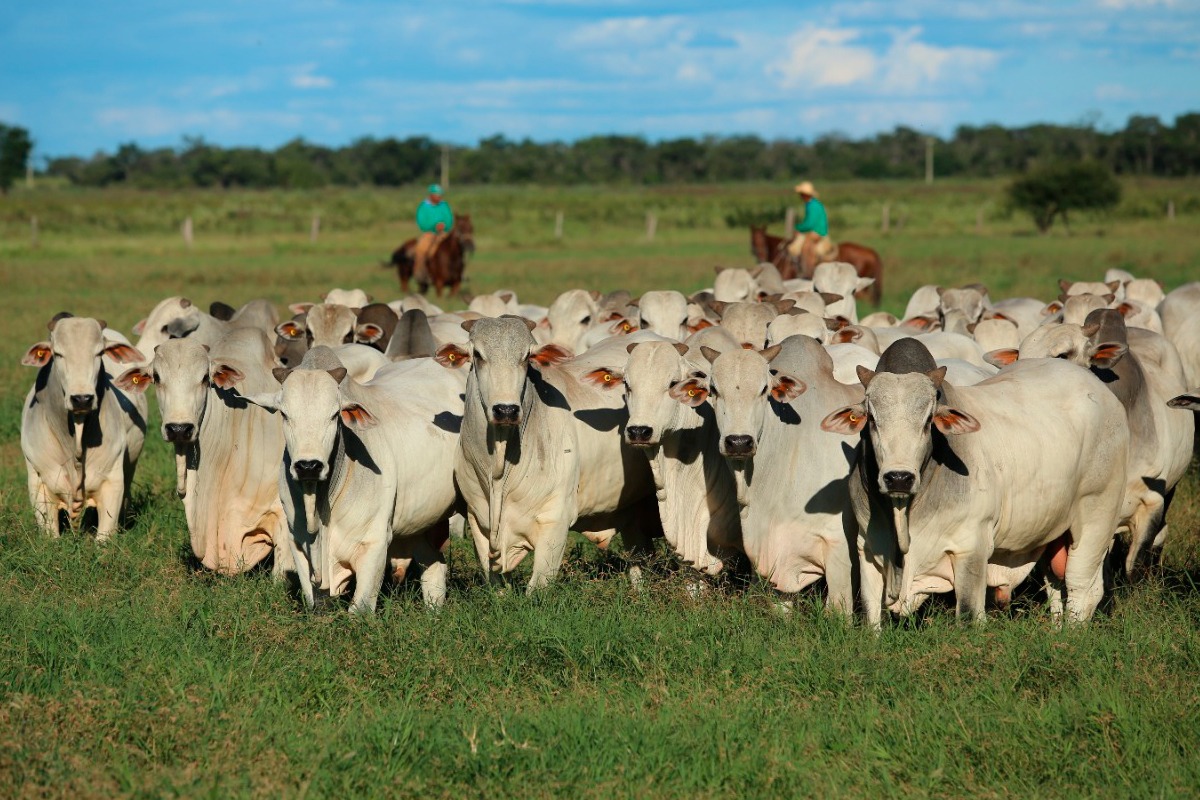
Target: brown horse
{"type": "Point", "coordinates": [444, 266]}
{"type": "Point", "coordinates": [866, 261]}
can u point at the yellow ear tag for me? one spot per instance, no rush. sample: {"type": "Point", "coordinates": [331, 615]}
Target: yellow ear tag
{"type": "Point", "coordinates": [136, 380]}
{"type": "Point", "coordinates": [607, 377]}
{"type": "Point", "coordinates": [853, 418]}
{"type": "Point", "coordinates": [691, 392]}
{"type": "Point", "coordinates": [451, 356]}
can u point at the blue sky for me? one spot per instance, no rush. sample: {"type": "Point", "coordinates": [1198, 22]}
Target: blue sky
{"type": "Point", "coordinates": [84, 76]}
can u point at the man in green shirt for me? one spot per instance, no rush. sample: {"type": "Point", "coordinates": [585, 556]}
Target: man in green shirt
{"type": "Point", "coordinates": [436, 220]}
{"type": "Point", "coordinates": [812, 244]}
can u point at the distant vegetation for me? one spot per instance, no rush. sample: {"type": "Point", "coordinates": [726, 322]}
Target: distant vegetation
{"type": "Point", "coordinates": [15, 145]}
{"type": "Point", "coordinates": [1145, 146]}
{"type": "Point", "coordinates": [1054, 191]}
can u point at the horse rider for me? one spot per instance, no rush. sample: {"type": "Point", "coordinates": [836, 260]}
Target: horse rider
{"type": "Point", "coordinates": [436, 220]}
{"type": "Point", "coordinates": [812, 245]}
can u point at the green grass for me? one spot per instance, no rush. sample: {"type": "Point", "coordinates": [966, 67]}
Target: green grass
{"type": "Point", "coordinates": [125, 671]}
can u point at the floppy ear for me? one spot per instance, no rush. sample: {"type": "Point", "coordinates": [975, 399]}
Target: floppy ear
{"type": "Point", "coordinates": [848, 334]}
{"type": "Point", "coordinates": [291, 330]}
{"type": "Point", "coordinates": [358, 418]}
{"type": "Point", "coordinates": [998, 315]}
{"type": "Point", "coordinates": [1002, 357]}
{"type": "Point", "coordinates": [134, 379]}
{"type": "Point", "coordinates": [847, 421]}
{"type": "Point", "coordinates": [1052, 308]}
{"type": "Point", "coordinates": [621, 327]}
{"type": "Point", "coordinates": [452, 356]}
{"type": "Point", "coordinates": [923, 322]}
{"type": "Point", "coordinates": [604, 378]}
{"type": "Point", "coordinates": [300, 308]}
{"type": "Point", "coordinates": [226, 377]}
{"type": "Point", "coordinates": [38, 356]}
{"type": "Point", "coordinates": [139, 327]}
{"type": "Point", "coordinates": [864, 375]}
{"type": "Point", "coordinates": [1105, 355]}
{"type": "Point", "coordinates": [268, 401]}
{"type": "Point", "coordinates": [368, 333]}
{"type": "Point", "coordinates": [785, 388]}
{"type": "Point", "coordinates": [549, 355]}
{"type": "Point", "coordinates": [691, 392]}
{"type": "Point", "coordinates": [950, 421]}
{"type": "Point", "coordinates": [709, 354]}
{"type": "Point", "coordinates": [1190, 401]}
{"type": "Point", "coordinates": [123, 353]}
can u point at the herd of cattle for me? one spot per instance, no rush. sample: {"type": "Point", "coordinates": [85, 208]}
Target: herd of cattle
{"type": "Point", "coordinates": [966, 447]}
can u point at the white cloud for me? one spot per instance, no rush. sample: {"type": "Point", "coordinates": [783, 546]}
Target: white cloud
{"type": "Point", "coordinates": [144, 121]}
{"type": "Point", "coordinates": [691, 71]}
{"type": "Point", "coordinates": [1115, 92]}
{"type": "Point", "coordinates": [304, 78]}
{"type": "Point", "coordinates": [625, 32]}
{"type": "Point", "coordinates": [834, 57]}
{"type": "Point", "coordinates": [1125, 5]}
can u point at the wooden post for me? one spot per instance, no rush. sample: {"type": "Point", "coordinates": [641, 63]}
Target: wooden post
{"type": "Point", "coordinates": [33, 232]}
{"type": "Point", "coordinates": [315, 228]}
{"type": "Point", "coordinates": [886, 222]}
{"type": "Point", "coordinates": [446, 167]}
{"type": "Point", "coordinates": [929, 161]}
{"type": "Point", "coordinates": [29, 175]}
{"type": "Point", "coordinates": [789, 222]}
{"type": "Point", "coordinates": [651, 225]}
{"type": "Point", "coordinates": [1171, 210]}
{"type": "Point", "coordinates": [187, 231]}
{"type": "Point", "coordinates": [979, 220]}
{"type": "Point", "coordinates": [558, 224]}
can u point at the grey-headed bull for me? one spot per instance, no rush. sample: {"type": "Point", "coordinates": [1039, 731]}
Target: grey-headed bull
{"type": "Point", "coordinates": [81, 436]}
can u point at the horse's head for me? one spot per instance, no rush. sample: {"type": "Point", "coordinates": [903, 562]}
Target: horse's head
{"type": "Point", "coordinates": [462, 224]}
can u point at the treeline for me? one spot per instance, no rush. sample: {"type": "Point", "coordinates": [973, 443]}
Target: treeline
{"type": "Point", "coordinates": [1145, 146]}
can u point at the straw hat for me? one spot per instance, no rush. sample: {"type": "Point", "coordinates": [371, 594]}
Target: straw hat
{"type": "Point", "coordinates": [806, 187]}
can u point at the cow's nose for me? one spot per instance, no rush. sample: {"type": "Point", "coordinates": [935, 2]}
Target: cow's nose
{"type": "Point", "coordinates": [308, 470]}
{"type": "Point", "coordinates": [740, 445]}
{"type": "Point", "coordinates": [179, 431]}
{"type": "Point", "coordinates": [506, 413]}
{"type": "Point", "coordinates": [638, 433]}
{"type": "Point", "coordinates": [82, 402]}
{"type": "Point", "coordinates": [899, 481]}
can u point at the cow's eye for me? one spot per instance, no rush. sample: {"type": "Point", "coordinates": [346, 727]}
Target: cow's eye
{"type": "Point", "coordinates": [586, 320]}
{"type": "Point", "coordinates": [159, 380]}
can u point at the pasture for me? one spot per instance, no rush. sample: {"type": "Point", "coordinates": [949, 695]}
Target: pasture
{"type": "Point", "coordinates": [126, 671]}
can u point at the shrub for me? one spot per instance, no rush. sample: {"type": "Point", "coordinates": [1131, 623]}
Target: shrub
{"type": "Point", "coordinates": [1054, 191]}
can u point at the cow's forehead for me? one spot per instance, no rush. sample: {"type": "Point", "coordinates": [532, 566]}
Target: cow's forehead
{"type": "Point", "coordinates": [501, 337]}
{"type": "Point", "coordinates": [900, 392]}
{"type": "Point", "coordinates": [654, 363]}
{"type": "Point", "coordinates": [1052, 340]}
{"type": "Point", "coordinates": [76, 331]}
{"type": "Point", "coordinates": [739, 368]}
{"type": "Point", "coordinates": [310, 388]}
{"type": "Point", "coordinates": [180, 355]}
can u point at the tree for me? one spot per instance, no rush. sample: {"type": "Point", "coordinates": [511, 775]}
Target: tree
{"type": "Point", "coordinates": [15, 146]}
{"type": "Point", "coordinates": [1054, 191]}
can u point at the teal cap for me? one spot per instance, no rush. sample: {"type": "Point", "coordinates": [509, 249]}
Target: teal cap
{"type": "Point", "coordinates": [435, 188]}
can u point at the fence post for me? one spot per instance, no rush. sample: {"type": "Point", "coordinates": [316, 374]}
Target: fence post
{"type": "Point", "coordinates": [979, 220]}
{"type": "Point", "coordinates": [558, 224]}
{"type": "Point", "coordinates": [651, 225]}
{"type": "Point", "coordinates": [789, 222]}
{"type": "Point", "coordinates": [187, 231]}
{"type": "Point", "coordinates": [1171, 210]}
{"type": "Point", "coordinates": [886, 221]}
{"type": "Point", "coordinates": [315, 228]}
{"type": "Point", "coordinates": [33, 232]}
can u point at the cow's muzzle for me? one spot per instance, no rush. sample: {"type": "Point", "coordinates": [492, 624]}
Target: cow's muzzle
{"type": "Point", "coordinates": [739, 446]}
{"type": "Point", "coordinates": [506, 414]}
{"type": "Point", "coordinates": [82, 403]}
{"type": "Point", "coordinates": [639, 435]}
{"type": "Point", "coordinates": [179, 432]}
{"type": "Point", "coordinates": [899, 483]}
{"type": "Point", "coordinates": [308, 470]}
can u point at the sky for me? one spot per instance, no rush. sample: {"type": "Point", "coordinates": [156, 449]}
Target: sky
{"type": "Point", "coordinates": [86, 76]}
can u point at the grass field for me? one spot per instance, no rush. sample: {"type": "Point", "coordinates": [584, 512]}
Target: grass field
{"type": "Point", "coordinates": [125, 672]}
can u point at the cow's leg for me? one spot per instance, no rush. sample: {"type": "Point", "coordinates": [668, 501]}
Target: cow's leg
{"type": "Point", "coordinates": [838, 578]}
{"type": "Point", "coordinates": [109, 500]}
{"type": "Point", "coordinates": [303, 572]}
{"type": "Point", "coordinates": [433, 574]}
{"type": "Point", "coordinates": [45, 508]}
{"type": "Point", "coordinates": [369, 566]}
{"type": "Point", "coordinates": [970, 585]}
{"type": "Point", "coordinates": [1144, 527]}
{"type": "Point", "coordinates": [483, 548]}
{"type": "Point", "coordinates": [1054, 594]}
{"type": "Point", "coordinates": [1085, 568]}
{"type": "Point", "coordinates": [551, 539]}
{"type": "Point", "coordinates": [870, 589]}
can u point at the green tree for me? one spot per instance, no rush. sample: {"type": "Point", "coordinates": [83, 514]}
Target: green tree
{"type": "Point", "coordinates": [1055, 191]}
{"type": "Point", "coordinates": [15, 146]}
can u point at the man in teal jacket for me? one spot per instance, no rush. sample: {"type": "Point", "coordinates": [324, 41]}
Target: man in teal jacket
{"type": "Point", "coordinates": [436, 220]}
{"type": "Point", "coordinates": [812, 244]}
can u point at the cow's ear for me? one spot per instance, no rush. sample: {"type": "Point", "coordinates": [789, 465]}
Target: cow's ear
{"type": "Point", "coordinates": [452, 356]}
{"type": "Point", "coordinates": [123, 353]}
{"type": "Point", "coordinates": [785, 388]}
{"type": "Point", "coordinates": [1105, 355]}
{"type": "Point", "coordinates": [134, 379]}
{"type": "Point", "coordinates": [846, 335]}
{"type": "Point", "coordinates": [356, 417]}
{"type": "Point", "coordinates": [38, 356]}
{"type": "Point", "coordinates": [864, 375]}
{"type": "Point", "coordinates": [604, 378]}
{"type": "Point", "coordinates": [291, 330]}
{"type": "Point", "coordinates": [938, 376]}
{"type": "Point", "coordinates": [691, 392]}
{"type": "Point", "coordinates": [549, 355]}
{"type": "Point", "coordinates": [700, 325]}
{"type": "Point", "coordinates": [267, 401]}
{"type": "Point", "coordinates": [1190, 401]}
{"type": "Point", "coordinates": [139, 327]}
{"type": "Point", "coordinates": [621, 327]}
{"type": "Point", "coordinates": [1002, 357]}
{"type": "Point", "coordinates": [950, 421]}
{"type": "Point", "coordinates": [923, 322]}
{"type": "Point", "coordinates": [998, 315]}
{"type": "Point", "coordinates": [227, 377]}
{"type": "Point", "coordinates": [847, 421]}
{"type": "Point", "coordinates": [368, 333]}
{"type": "Point", "coordinates": [836, 323]}
{"type": "Point", "coordinates": [300, 308]}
